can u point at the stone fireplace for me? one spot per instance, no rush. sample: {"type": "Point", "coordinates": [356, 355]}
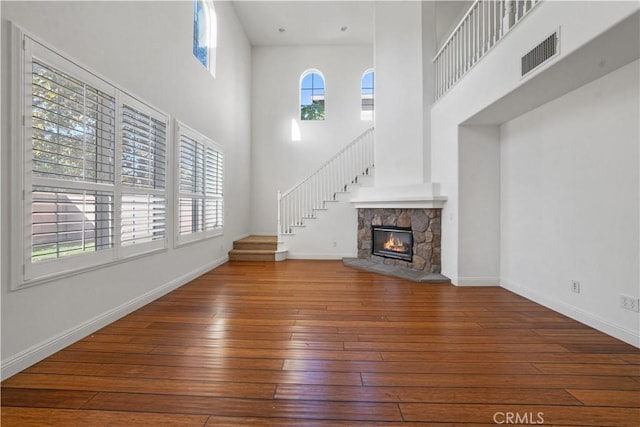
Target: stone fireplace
{"type": "Point", "coordinates": [422, 224]}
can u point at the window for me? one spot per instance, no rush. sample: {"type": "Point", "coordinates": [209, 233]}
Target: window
{"type": "Point", "coordinates": [72, 159]}
{"type": "Point", "coordinates": [312, 96]}
{"type": "Point", "coordinates": [144, 164]}
{"type": "Point", "coordinates": [367, 95]}
{"type": "Point", "coordinates": [92, 160]}
{"type": "Point", "coordinates": [205, 34]}
{"type": "Point", "coordinates": [200, 186]}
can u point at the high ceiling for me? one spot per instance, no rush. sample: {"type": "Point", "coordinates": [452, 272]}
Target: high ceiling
{"type": "Point", "coordinates": [306, 22]}
{"type": "Point", "coordinates": [327, 22]}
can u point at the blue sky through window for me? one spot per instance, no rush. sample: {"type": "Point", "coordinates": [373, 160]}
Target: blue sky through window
{"type": "Point", "coordinates": [200, 33]}
{"type": "Point", "coordinates": [367, 83]}
{"type": "Point", "coordinates": [311, 88]}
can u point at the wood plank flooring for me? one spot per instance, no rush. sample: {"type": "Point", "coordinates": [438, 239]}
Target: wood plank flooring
{"type": "Point", "coordinates": [314, 343]}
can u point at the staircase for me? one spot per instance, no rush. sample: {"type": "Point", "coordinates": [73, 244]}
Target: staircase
{"type": "Point", "coordinates": [316, 192]}
{"type": "Point", "coordinates": [316, 219]}
{"type": "Point", "coordinates": [257, 248]}
{"type": "Point", "coordinates": [309, 198]}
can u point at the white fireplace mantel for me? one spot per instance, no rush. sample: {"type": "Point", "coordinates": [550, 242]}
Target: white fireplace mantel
{"type": "Point", "coordinates": [417, 196]}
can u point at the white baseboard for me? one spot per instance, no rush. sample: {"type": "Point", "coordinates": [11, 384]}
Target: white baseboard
{"type": "Point", "coordinates": [589, 319]}
{"type": "Point", "coordinates": [477, 281]}
{"type": "Point", "coordinates": [281, 255]}
{"type": "Point", "coordinates": [16, 363]}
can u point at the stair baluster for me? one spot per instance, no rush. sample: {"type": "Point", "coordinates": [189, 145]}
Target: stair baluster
{"type": "Point", "coordinates": [333, 177]}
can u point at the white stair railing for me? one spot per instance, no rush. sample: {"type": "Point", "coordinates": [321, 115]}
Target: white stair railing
{"type": "Point", "coordinates": [486, 22]}
{"type": "Point", "coordinates": [344, 168]}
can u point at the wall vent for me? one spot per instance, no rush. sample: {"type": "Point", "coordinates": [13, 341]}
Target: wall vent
{"type": "Point", "coordinates": [540, 54]}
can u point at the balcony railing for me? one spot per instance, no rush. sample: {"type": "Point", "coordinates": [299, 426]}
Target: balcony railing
{"type": "Point", "coordinates": [486, 22]}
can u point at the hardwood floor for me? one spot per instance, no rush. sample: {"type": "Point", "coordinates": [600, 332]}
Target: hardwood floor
{"type": "Point", "coordinates": [314, 343]}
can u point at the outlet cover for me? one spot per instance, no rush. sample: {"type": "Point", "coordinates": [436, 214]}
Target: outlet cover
{"type": "Point", "coordinates": [630, 303]}
{"type": "Point", "coordinates": [575, 286]}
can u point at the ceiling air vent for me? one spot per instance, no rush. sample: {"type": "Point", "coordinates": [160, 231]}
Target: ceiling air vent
{"type": "Point", "coordinates": [540, 54]}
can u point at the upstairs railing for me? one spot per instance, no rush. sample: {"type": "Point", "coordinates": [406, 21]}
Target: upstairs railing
{"type": "Point", "coordinates": [333, 177]}
{"type": "Point", "coordinates": [486, 22]}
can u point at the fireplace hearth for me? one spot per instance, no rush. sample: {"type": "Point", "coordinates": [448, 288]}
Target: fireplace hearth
{"type": "Point", "coordinates": [392, 242]}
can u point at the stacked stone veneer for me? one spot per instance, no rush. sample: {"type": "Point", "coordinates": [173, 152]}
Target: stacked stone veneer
{"type": "Point", "coordinates": [425, 225]}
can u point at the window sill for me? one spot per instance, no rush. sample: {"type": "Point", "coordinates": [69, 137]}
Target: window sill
{"type": "Point", "coordinates": [76, 271]}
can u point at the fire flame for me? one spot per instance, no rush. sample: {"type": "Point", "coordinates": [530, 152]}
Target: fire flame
{"type": "Point", "coordinates": [394, 244]}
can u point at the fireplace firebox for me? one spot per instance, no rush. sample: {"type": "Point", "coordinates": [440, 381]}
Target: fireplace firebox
{"type": "Point", "coordinates": [393, 242]}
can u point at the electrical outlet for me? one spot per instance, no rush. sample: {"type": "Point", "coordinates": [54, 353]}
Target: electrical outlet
{"type": "Point", "coordinates": [575, 286]}
{"type": "Point", "coordinates": [629, 303]}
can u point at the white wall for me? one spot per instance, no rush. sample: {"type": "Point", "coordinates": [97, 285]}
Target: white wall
{"type": "Point", "coordinates": [495, 77]}
{"type": "Point", "coordinates": [594, 42]}
{"type": "Point", "coordinates": [145, 47]}
{"type": "Point", "coordinates": [399, 90]}
{"type": "Point", "coordinates": [479, 204]}
{"type": "Point", "coordinates": [430, 19]}
{"type": "Point", "coordinates": [333, 234]}
{"type": "Point", "coordinates": [1, 175]}
{"type": "Point", "coordinates": [278, 163]}
{"type": "Point", "coordinates": [569, 190]}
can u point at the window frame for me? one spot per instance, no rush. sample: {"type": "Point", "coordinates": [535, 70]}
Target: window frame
{"type": "Point", "coordinates": [25, 49]}
{"type": "Point", "coordinates": [211, 22]}
{"type": "Point", "coordinates": [300, 96]}
{"type": "Point", "coordinates": [182, 130]}
{"type": "Point", "coordinates": [130, 189]}
{"type": "Point", "coordinates": [364, 114]}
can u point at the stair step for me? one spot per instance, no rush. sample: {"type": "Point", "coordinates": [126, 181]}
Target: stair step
{"type": "Point", "coordinates": [252, 255]}
{"type": "Point", "coordinates": [257, 248]}
{"type": "Point", "coordinates": [257, 243]}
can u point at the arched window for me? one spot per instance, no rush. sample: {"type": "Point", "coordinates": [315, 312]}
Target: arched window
{"type": "Point", "coordinates": [205, 33]}
{"type": "Point", "coordinates": [367, 95]}
{"type": "Point", "coordinates": [312, 95]}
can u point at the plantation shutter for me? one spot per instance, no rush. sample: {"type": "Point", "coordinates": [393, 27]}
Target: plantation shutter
{"type": "Point", "coordinates": [200, 183]}
{"type": "Point", "coordinates": [73, 128]}
{"type": "Point", "coordinates": [143, 204]}
{"type": "Point", "coordinates": [93, 166]}
{"type": "Point", "coordinates": [72, 165]}
{"type": "Point", "coordinates": [213, 189]}
{"type": "Point", "coordinates": [191, 205]}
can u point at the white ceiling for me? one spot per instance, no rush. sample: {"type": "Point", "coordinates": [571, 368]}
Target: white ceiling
{"type": "Point", "coordinates": [306, 22]}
